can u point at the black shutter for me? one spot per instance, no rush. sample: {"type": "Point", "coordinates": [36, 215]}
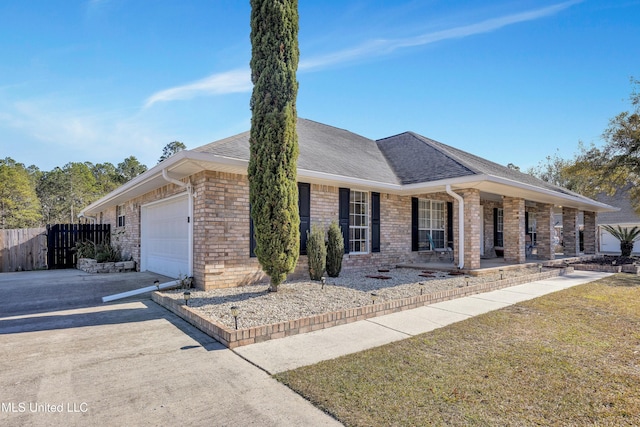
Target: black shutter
{"type": "Point", "coordinates": [252, 237]}
{"type": "Point", "coordinates": [343, 215]}
{"type": "Point", "coordinates": [375, 222]}
{"type": "Point", "coordinates": [304, 207]}
{"type": "Point", "coordinates": [414, 223]}
{"type": "Point", "coordinates": [495, 227]}
{"type": "Point", "coordinates": [526, 223]}
{"type": "Point", "coordinates": [450, 225]}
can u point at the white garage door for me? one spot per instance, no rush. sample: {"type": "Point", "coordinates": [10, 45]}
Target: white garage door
{"type": "Point", "coordinates": [164, 237]}
{"type": "Point", "coordinates": [608, 243]}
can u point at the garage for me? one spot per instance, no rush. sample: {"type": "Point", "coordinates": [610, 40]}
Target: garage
{"type": "Point", "coordinates": [164, 234]}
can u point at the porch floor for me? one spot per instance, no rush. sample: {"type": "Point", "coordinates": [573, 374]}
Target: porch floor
{"type": "Point", "coordinates": [493, 265]}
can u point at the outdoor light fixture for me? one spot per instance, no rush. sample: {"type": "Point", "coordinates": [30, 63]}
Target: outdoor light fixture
{"type": "Point", "coordinates": [234, 313]}
{"type": "Point", "coordinates": [421, 287]}
{"type": "Point", "coordinates": [187, 297]}
{"type": "Point", "coordinates": [374, 297]}
{"type": "Point", "coordinates": [539, 268]}
{"type": "Point", "coordinates": [157, 284]}
{"type": "Point", "coordinates": [324, 281]}
{"type": "Point", "coordinates": [501, 271]}
{"type": "Point", "coordinates": [466, 278]}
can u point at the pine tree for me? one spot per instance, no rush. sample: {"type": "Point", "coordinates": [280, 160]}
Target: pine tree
{"type": "Point", "coordinates": [273, 140]}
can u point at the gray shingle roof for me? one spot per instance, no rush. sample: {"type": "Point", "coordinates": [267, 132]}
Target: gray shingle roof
{"type": "Point", "coordinates": [621, 199]}
{"type": "Point", "coordinates": [416, 158]}
{"type": "Point", "coordinates": [324, 149]}
{"type": "Point", "coordinates": [407, 158]}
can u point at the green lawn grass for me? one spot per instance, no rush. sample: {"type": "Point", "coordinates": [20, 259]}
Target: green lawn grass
{"type": "Point", "coordinates": [568, 358]}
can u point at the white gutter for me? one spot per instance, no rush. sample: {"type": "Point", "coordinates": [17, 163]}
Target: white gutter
{"type": "Point", "coordinates": [189, 188]}
{"type": "Point", "coordinates": [152, 288]}
{"type": "Point", "coordinates": [460, 225]}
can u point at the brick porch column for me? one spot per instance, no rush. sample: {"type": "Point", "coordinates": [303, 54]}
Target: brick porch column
{"type": "Point", "coordinates": [570, 231]}
{"type": "Point", "coordinates": [471, 228]}
{"type": "Point", "coordinates": [514, 240]}
{"type": "Point", "coordinates": [545, 231]}
{"type": "Point", "coordinates": [590, 233]}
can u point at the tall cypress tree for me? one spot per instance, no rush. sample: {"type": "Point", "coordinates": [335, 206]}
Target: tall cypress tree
{"type": "Point", "coordinates": [273, 189]}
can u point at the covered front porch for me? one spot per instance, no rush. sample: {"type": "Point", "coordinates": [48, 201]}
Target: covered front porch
{"type": "Point", "coordinates": [498, 226]}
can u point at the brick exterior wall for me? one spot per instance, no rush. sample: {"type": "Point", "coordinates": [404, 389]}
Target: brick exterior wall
{"type": "Point", "coordinates": [221, 229]}
{"type": "Point", "coordinates": [471, 228]}
{"type": "Point", "coordinates": [545, 231]}
{"type": "Point", "coordinates": [489, 230]}
{"type": "Point", "coordinates": [514, 229]}
{"type": "Point", "coordinates": [570, 231]}
{"type": "Point", "coordinates": [590, 232]}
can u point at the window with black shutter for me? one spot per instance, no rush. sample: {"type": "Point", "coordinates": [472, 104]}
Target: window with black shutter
{"type": "Point", "coordinates": [375, 222]}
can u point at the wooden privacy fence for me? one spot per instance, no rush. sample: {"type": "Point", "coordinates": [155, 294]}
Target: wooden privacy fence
{"type": "Point", "coordinates": [62, 239]}
{"type": "Point", "coordinates": [23, 249]}
{"type": "Point", "coordinates": [52, 247]}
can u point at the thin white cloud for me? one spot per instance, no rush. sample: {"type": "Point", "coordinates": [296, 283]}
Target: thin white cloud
{"type": "Point", "coordinates": [235, 81]}
{"type": "Point", "coordinates": [239, 81]}
{"type": "Point", "coordinates": [385, 47]}
{"type": "Point", "coordinates": [49, 123]}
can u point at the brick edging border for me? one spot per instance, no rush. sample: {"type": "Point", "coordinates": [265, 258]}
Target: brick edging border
{"type": "Point", "coordinates": [624, 268]}
{"type": "Point", "coordinates": [232, 338]}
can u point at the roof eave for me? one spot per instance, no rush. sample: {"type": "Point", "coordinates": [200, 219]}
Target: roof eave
{"type": "Point", "coordinates": [179, 166]}
{"type": "Point", "coordinates": [186, 163]}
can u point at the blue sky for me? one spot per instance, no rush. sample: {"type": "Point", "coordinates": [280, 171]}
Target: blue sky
{"type": "Point", "coordinates": [509, 80]}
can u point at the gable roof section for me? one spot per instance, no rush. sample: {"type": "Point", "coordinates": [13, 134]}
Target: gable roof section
{"type": "Point", "coordinates": [418, 159]}
{"type": "Point", "coordinates": [324, 149]}
{"type": "Point", "coordinates": [622, 200]}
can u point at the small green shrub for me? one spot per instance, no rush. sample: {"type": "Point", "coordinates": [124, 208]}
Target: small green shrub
{"type": "Point", "coordinates": [316, 252]}
{"type": "Point", "coordinates": [85, 249]}
{"type": "Point", "coordinates": [335, 250]}
{"type": "Point", "coordinates": [107, 253]}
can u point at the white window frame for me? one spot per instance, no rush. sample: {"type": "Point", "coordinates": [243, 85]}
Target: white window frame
{"type": "Point", "coordinates": [533, 227]}
{"type": "Point", "coordinates": [120, 216]}
{"type": "Point", "coordinates": [359, 221]}
{"type": "Point", "coordinates": [500, 223]}
{"type": "Point", "coordinates": [533, 223]}
{"type": "Point", "coordinates": [428, 222]}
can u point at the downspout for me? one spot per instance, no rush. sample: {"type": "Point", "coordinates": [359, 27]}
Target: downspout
{"type": "Point", "coordinates": [460, 225]}
{"type": "Point", "coordinates": [189, 188]}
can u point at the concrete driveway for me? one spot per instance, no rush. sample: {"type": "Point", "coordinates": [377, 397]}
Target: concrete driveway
{"type": "Point", "coordinates": [67, 359]}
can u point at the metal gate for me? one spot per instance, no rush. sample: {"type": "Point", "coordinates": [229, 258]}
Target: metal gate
{"type": "Point", "coordinates": [62, 239]}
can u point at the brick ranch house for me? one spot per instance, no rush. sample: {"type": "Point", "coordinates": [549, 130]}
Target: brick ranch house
{"type": "Point", "coordinates": [394, 198]}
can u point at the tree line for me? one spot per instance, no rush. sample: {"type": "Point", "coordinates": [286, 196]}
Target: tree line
{"type": "Point", "coordinates": [605, 169]}
{"type": "Point", "coordinates": [30, 197]}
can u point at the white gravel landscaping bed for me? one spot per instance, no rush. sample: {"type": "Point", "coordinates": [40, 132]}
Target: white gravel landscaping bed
{"type": "Point", "coordinates": [297, 299]}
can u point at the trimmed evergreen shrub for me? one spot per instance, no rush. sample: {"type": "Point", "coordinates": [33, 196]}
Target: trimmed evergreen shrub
{"type": "Point", "coordinates": [335, 250]}
{"type": "Point", "coordinates": [316, 252]}
{"type": "Point", "coordinates": [273, 140]}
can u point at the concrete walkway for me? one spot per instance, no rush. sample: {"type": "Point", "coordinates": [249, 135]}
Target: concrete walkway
{"type": "Point", "coordinates": [306, 349]}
